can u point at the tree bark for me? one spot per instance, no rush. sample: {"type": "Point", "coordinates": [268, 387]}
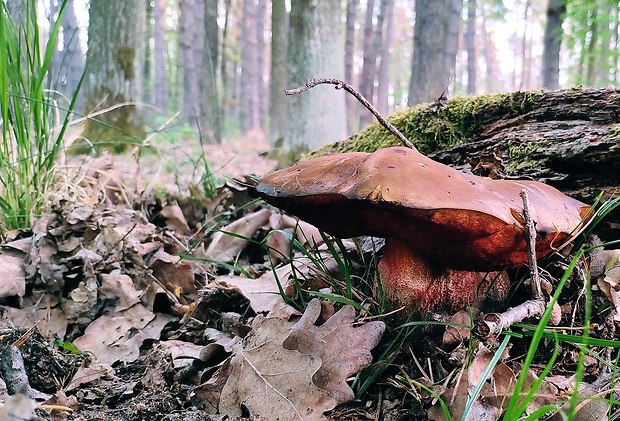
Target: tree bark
{"type": "Point", "coordinates": [552, 43]}
{"type": "Point", "coordinates": [470, 46]}
{"type": "Point", "coordinates": [250, 120]}
{"type": "Point", "coordinates": [114, 72]}
{"type": "Point", "coordinates": [261, 89]}
{"type": "Point", "coordinates": [316, 47]}
{"type": "Point", "coordinates": [278, 105]}
{"type": "Point", "coordinates": [69, 65]}
{"type": "Point", "coordinates": [383, 86]}
{"type": "Point", "coordinates": [369, 70]}
{"type": "Point", "coordinates": [349, 47]}
{"type": "Point", "coordinates": [191, 50]}
{"type": "Point", "coordinates": [452, 39]}
{"type": "Point", "coordinates": [211, 119]}
{"type": "Point", "coordinates": [160, 83]}
{"type": "Point", "coordinates": [429, 76]}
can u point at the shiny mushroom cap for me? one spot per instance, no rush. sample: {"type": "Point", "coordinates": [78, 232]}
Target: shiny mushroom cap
{"type": "Point", "coordinates": [457, 220]}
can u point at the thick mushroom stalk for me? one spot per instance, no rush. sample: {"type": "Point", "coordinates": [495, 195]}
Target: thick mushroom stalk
{"type": "Point", "coordinates": [411, 282]}
{"type": "Point", "coordinates": [432, 216]}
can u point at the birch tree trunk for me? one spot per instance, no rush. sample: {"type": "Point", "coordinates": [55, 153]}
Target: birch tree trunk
{"type": "Point", "coordinates": [114, 63]}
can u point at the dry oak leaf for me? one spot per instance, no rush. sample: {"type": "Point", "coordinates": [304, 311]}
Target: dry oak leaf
{"type": "Point", "coordinates": [271, 381]}
{"type": "Point", "coordinates": [343, 347]}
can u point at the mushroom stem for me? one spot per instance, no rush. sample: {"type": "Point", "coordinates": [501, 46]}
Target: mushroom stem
{"type": "Point", "coordinates": [421, 287]}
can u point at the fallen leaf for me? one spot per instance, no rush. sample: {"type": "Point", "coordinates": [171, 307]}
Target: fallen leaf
{"type": "Point", "coordinates": [271, 381]}
{"type": "Point", "coordinates": [343, 347]}
{"type": "Point", "coordinates": [263, 292]}
{"type": "Point", "coordinates": [610, 285]}
{"type": "Point", "coordinates": [456, 334]}
{"type": "Point", "coordinates": [120, 289]}
{"type": "Point", "coordinates": [118, 337]}
{"type": "Point", "coordinates": [225, 247]}
{"type": "Point", "coordinates": [13, 275]}
{"type": "Point", "coordinates": [175, 220]}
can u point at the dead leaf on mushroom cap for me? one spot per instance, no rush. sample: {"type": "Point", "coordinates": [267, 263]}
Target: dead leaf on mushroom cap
{"type": "Point", "coordinates": [398, 192]}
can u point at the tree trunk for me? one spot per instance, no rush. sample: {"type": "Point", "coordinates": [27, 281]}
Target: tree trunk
{"type": "Point", "coordinates": [349, 47]}
{"type": "Point", "coordinates": [369, 30]}
{"type": "Point", "coordinates": [369, 70]}
{"type": "Point", "coordinates": [191, 50]}
{"type": "Point", "coordinates": [553, 43]}
{"type": "Point", "coordinates": [490, 59]}
{"type": "Point", "coordinates": [261, 11]}
{"type": "Point", "coordinates": [316, 49]}
{"type": "Point", "coordinates": [114, 72]}
{"type": "Point", "coordinates": [429, 76]}
{"type": "Point", "coordinates": [452, 40]}
{"type": "Point", "coordinates": [69, 64]}
{"type": "Point", "coordinates": [566, 138]}
{"type": "Point", "coordinates": [278, 105]}
{"type": "Point", "coordinates": [226, 95]}
{"type": "Point", "coordinates": [160, 83]}
{"type": "Point", "coordinates": [211, 121]}
{"type": "Point", "coordinates": [249, 112]}
{"type": "Point", "coordinates": [470, 46]}
{"type": "Point", "coordinates": [383, 86]}
{"type": "Point", "coordinates": [591, 58]}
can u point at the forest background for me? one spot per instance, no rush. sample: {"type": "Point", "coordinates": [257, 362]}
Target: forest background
{"type": "Point", "coordinates": [218, 68]}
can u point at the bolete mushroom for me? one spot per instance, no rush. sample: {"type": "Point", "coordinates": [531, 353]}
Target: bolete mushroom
{"type": "Point", "coordinates": [440, 224]}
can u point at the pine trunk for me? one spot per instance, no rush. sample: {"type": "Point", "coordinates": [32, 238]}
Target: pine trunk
{"type": "Point", "coordinates": [470, 46]}
{"type": "Point", "coordinates": [114, 72]}
{"type": "Point", "coordinates": [160, 83]}
{"type": "Point", "coordinates": [351, 103]}
{"type": "Point", "coordinates": [316, 48]}
{"type": "Point", "coordinates": [279, 77]}
{"type": "Point", "coordinates": [191, 50]}
{"type": "Point", "coordinates": [429, 75]}
{"type": "Point", "coordinates": [383, 86]}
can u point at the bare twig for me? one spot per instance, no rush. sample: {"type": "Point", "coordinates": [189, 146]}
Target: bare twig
{"type": "Point", "coordinates": [350, 89]}
{"type": "Point", "coordinates": [493, 323]}
{"type": "Point", "coordinates": [530, 232]}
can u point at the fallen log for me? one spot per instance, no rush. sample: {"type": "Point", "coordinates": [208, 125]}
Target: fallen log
{"type": "Point", "coordinates": [568, 138]}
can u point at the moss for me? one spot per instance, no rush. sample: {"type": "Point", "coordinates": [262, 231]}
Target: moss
{"type": "Point", "coordinates": [125, 57]}
{"type": "Point", "coordinates": [520, 155]}
{"type": "Point", "coordinates": [432, 130]}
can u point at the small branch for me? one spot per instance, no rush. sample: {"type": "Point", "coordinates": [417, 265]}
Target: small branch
{"type": "Point", "coordinates": [493, 323]}
{"type": "Point", "coordinates": [530, 241]}
{"type": "Point", "coordinates": [350, 89]}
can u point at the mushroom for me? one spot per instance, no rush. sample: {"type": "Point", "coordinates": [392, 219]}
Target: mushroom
{"type": "Point", "coordinates": [444, 229]}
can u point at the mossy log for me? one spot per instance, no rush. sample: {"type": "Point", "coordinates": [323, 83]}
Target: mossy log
{"type": "Point", "coordinates": [567, 138]}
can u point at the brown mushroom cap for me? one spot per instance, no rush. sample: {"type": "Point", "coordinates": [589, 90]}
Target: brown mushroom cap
{"type": "Point", "coordinates": [456, 220]}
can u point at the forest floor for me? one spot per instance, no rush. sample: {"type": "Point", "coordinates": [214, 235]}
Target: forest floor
{"type": "Point", "coordinates": [143, 298]}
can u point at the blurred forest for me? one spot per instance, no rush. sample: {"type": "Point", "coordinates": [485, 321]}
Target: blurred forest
{"type": "Point", "coordinates": [220, 67]}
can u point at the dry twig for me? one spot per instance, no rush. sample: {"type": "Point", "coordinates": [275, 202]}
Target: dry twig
{"type": "Point", "coordinates": [350, 89]}
{"type": "Point", "coordinates": [493, 323]}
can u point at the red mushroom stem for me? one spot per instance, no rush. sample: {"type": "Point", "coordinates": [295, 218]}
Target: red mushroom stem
{"type": "Point", "coordinates": [411, 282]}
